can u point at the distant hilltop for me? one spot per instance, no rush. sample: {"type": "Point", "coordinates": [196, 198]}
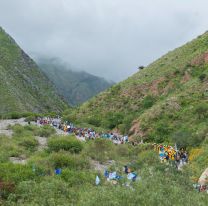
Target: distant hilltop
{"type": "Point", "coordinates": [75, 87]}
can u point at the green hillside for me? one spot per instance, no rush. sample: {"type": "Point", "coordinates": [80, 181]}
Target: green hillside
{"type": "Point", "coordinates": [24, 88]}
{"type": "Point", "coordinates": [76, 87]}
{"type": "Point", "coordinates": [166, 101]}
{"type": "Point", "coordinates": [34, 183]}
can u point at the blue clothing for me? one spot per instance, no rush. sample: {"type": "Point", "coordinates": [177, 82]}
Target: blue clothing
{"type": "Point", "coordinates": [58, 171]}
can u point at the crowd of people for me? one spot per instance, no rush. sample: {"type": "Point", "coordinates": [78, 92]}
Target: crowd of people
{"type": "Point", "coordinates": [169, 153]}
{"type": "Point", "coordinates": [56, 122]}
{"type": "Point", "coordinates": [82, 133]}
{"type": "Point", "coordinates": [179, 158]}
{"type": "Point", "coordinates": [166, 153]}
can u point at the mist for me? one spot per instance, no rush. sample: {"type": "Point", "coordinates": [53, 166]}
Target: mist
{"type": "Point", "coordinates": [108, 38]}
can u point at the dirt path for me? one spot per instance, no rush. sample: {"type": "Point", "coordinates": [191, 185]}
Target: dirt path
{"type": "Point", "coordinates": [4, 124]}
{"type": "Point", "coordinates": [42, 141]}
{"type": "Point", "coordinates": [101, 167]}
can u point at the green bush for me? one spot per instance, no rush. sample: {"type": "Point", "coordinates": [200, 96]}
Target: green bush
{"type": "Point", "coordinates": [202, 110]}
{"type": "Point", "coordinates": [155, 188]}
{"type": "Point", "coordinates": [29, 130]}
{"type": "Point", "coordinates": [115, 89]}
{"type": "Point", "coordinates": [16, 172]}
{"type": "Point", "coordinates": [42, 164]}
{"type": "Point", "coordinates": [18, 130]}
{"type": "Point", "coordinates": [113, 119]}
{"type": "Point", "coordinates": [14, 115]}
{"type": "Point", "coordinates": [126, 124]}
{"type": "Point", "coordinates": [73, 177]}
{"type": "Point", "coordinates": [46, 131]}
{"type": "Point", "coordinates": [202, 77]}
{"type": "Point", "coordinates": [148, 158]}
{"type": "Point", "coordinates": [31, 118]}
{"type": "Point", "coordinates": [67, 143]}
{"type": "Point", "coordinates": [122, 150]}
{"type": "Point", "coordinates": [63, 159]}
{"type": "Point", "coordinates": [28, 142]}
{"type": "Point", "coordinates": [50, 191]}
{"type": "Point", "coordinates": [100, 150]}
{"type": "Point", "coordinates": [183, 138]}
{"type": "Point", "coordinates": [148, 101]}
{"type": "Point", "coordinates": [8, 148]}
{"type": "Point", "coordinates": [96, 121]}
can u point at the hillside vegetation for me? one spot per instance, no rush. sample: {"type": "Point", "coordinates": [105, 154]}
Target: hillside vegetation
{"type": "Point", "coordinates": [75, 87]}
{"type": "Point", "coordinates": [164, 102]}
{"type": "Point", "coordinates": [24, 88]}
{"type": "Point", "coordinates": [35, 183]}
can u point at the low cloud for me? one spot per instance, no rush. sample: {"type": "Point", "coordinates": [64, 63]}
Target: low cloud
{"type": "Point", "coordinates": [109, 38]}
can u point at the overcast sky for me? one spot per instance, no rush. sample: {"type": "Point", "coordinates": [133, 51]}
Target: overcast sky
{"type": "Point", "coordinates": [109, 38]}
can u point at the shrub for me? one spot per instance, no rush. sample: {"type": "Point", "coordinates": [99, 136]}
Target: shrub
{"type": "Point", "coordinates": [41, 163]}
{"type": "Point", "coordinates": [18, 130]}
{"type": "Point", "coordinates": [9, 150]}
{"type": "Point", "coordinates": [202, 77]}
{"type": "Point", "coordinates": [50, 191]}
{"type": "Point", "coordinates": [202, 110]}
{"type": "Point", "coordinates": [14, 115]}
{"type": "Point", "coordinates": [28, 142]}
{"type": "Point", "coordinates": [15, 172]}
{"type": "Point", "coordinates": [96, 121]}
{"type": "Point", "coordinates": [63, 159]}
{"type": "Point", "coordinates": [122, 150]}
{"type": "Point", "coordinates": [78, 177]}
{"type": "Point", "coordinates": [67, 143]}
{"type": "Point", "coordinates": [115, 89]}
{"type": "Point", "coordinates": [147, 157]}
{"type": "Point", "coordinates": [46, 131]}
{"type": "Point", "coordinates": [141, 67]}
{"type": "Point", "coordinates": [113, 119]}
{"type": "Point", "coordinates": [183, 138]}
{"type": "Point", "coordinates": [126, 124]}
{"type": "Point", "coordinates": [148, 101]}
{"type": "Point", "coordinates": [31, 118]}
{"type": "Point", "coordinates": [100, 149]}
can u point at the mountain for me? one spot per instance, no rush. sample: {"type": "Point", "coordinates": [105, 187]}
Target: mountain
{"type": "Point", "coordinates": [23, 86]}
{"type": "Point", "coordinates": [166, 101]}
{"type": "Point", "coordinates": [76, 87]}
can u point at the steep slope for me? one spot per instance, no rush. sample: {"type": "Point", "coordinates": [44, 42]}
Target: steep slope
{"type": "Point", "coordinates": [23, 86]}
{"type": "Point", "coordinates": [76, 87]}
{"type": "Point", "coordinates": [166, 101]}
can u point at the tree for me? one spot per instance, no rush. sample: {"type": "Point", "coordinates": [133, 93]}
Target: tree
{"type": "Point", "coordinates": [141, 67]}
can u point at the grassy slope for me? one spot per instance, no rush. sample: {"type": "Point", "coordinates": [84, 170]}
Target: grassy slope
{"type": "Point", "coordinates": [76, 87]}
{"type": "Point", "coordinates": [162, 99]}
{"type": "Point", "coordinates": [160, 184]}
{"type": "Point", "coordinates": [23, 86]}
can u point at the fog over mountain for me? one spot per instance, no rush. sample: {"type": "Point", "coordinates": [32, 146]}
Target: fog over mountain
{"type": "Point", "coordinates": [108, 38]}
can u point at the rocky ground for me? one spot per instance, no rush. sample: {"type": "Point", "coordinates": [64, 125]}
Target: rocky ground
{"type": "Point", "coordinates": [4, 129]}
{"type": "Point", "coordinates": [4, 125]}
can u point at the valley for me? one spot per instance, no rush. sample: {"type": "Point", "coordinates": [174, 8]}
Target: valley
{"type": "Point", "coordinates": [141, 141]}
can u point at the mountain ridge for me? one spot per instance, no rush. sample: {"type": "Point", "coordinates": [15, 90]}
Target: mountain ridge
{"type": "Point", "coordinates": [76, 86]}
{"type": "Point", "coordinates": [24, 87]}
{"type": "Point", "coordinates": [160, 101]}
